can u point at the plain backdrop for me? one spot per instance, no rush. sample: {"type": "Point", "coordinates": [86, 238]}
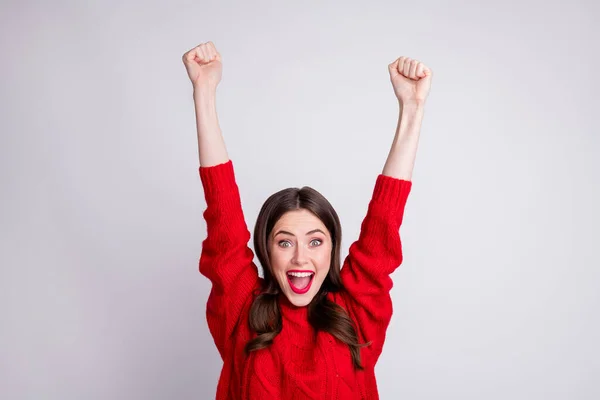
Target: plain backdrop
{"type": "Point", "coordinates": [101, 202]}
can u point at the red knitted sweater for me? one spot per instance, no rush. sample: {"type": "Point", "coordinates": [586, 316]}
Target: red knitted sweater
{"type": "Point", "coordinates": [301, 363]}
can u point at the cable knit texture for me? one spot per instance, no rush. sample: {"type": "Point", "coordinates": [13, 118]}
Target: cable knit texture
{"type": "Point", "coordinates": [301, 364]}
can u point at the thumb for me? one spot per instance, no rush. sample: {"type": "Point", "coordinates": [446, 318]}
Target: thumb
{"type": "Point", "coordinates": [426, 73]}
{"type": "Point", "coordinates": [218, 57]}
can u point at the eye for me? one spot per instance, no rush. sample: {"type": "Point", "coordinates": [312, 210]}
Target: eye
{"type": "Point", "coordinates": [318, 241]}
{"type": "Point", "coordinates": [283, 243]}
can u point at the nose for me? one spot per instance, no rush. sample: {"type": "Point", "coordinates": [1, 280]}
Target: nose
{"type": "Point", "coordinates": [300, 255]}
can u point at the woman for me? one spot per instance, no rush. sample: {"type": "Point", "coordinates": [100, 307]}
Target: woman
{"type": "Point", "coordinates": [309, 329]}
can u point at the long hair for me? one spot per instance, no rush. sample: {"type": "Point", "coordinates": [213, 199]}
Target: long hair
{"type": "Point", "coordinates": [323, 314]}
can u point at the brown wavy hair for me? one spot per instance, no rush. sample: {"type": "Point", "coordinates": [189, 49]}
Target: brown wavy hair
{"type": "Point", "coordinates": [323, 314]}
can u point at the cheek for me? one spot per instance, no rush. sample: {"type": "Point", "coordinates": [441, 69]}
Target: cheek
{"type": "Point", "coordinates": [278, 262]}
{"type": "Point", "coordinates": [323, 259]}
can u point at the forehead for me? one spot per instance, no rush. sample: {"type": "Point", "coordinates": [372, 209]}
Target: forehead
{"type": "Point", "coordinates": [299, 220]}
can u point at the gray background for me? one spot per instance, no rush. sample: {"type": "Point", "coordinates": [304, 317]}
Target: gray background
{"type": "Point", "coordinates": [101, 203]}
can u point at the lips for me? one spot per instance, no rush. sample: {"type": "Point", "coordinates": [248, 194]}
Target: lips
{"type": "Point", "coordinates": [300, 281]}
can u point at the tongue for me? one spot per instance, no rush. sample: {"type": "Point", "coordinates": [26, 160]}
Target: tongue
{"type": "Point", "coordinates": [300, 282]}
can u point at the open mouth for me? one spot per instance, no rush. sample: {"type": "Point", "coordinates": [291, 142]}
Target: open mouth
{"type": "Point", "coordinates": [300, 281]}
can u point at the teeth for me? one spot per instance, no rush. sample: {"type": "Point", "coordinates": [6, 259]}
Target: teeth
{"type": "Point", "coordinates": [300, 274]}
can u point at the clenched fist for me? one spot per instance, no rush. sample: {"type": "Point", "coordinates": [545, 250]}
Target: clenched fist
{"type": "Point", "coordinates": [411, 80]}
{"type": "Point", "coordinates": [203, 65]}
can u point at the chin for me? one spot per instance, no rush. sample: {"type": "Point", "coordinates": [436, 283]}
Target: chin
{"type": "Point", "coordinates": [299, 301]}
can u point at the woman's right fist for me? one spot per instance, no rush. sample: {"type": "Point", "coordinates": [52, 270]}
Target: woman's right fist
{"type": "Point", "coordinates": [203, 65]}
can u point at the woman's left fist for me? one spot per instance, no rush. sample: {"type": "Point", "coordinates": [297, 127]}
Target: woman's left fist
{"type": "Point", "coordinates": [411, 80]}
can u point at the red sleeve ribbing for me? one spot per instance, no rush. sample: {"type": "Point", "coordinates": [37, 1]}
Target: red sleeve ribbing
{"type": "Point", "coordinates": [226, 258]}
{"type": "Point", "coordinates": [371, 259]}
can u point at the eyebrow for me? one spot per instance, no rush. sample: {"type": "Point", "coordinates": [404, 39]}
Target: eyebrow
{"type": "Point", "coordinates": [307, 233]}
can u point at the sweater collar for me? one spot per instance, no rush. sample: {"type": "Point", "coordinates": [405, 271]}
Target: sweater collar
{"type": "Point", "coordinates": [292, 312]}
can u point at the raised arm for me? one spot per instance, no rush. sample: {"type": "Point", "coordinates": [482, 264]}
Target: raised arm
{"type": "Point", "coordinates": [411, 80]}
{"type": "Point", "coordinates": [204, 67]}
{"type": "Point", "coordinates": [378, 250]}
{"type": "Point", "coordinates": [226, 258]}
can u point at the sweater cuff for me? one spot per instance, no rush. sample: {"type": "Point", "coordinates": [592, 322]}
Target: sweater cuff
{"type": "Point", "coordinates": [391, 192]}
{"type": "Point", "coordinates": [218, 181]}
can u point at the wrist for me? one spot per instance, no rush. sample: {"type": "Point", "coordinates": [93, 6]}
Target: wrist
{"type": "Point", "coordinates": [412, 104]}
{"type": "Point", "coordinates": [204, 92]}
{"type": "Point", "coordinates": [411, 110]}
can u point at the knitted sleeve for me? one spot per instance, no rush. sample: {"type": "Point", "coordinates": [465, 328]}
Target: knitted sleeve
{"type": "Point", "coordinates": [226, 258]}
{"type": "Point", "coordinates": [371, 259]}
